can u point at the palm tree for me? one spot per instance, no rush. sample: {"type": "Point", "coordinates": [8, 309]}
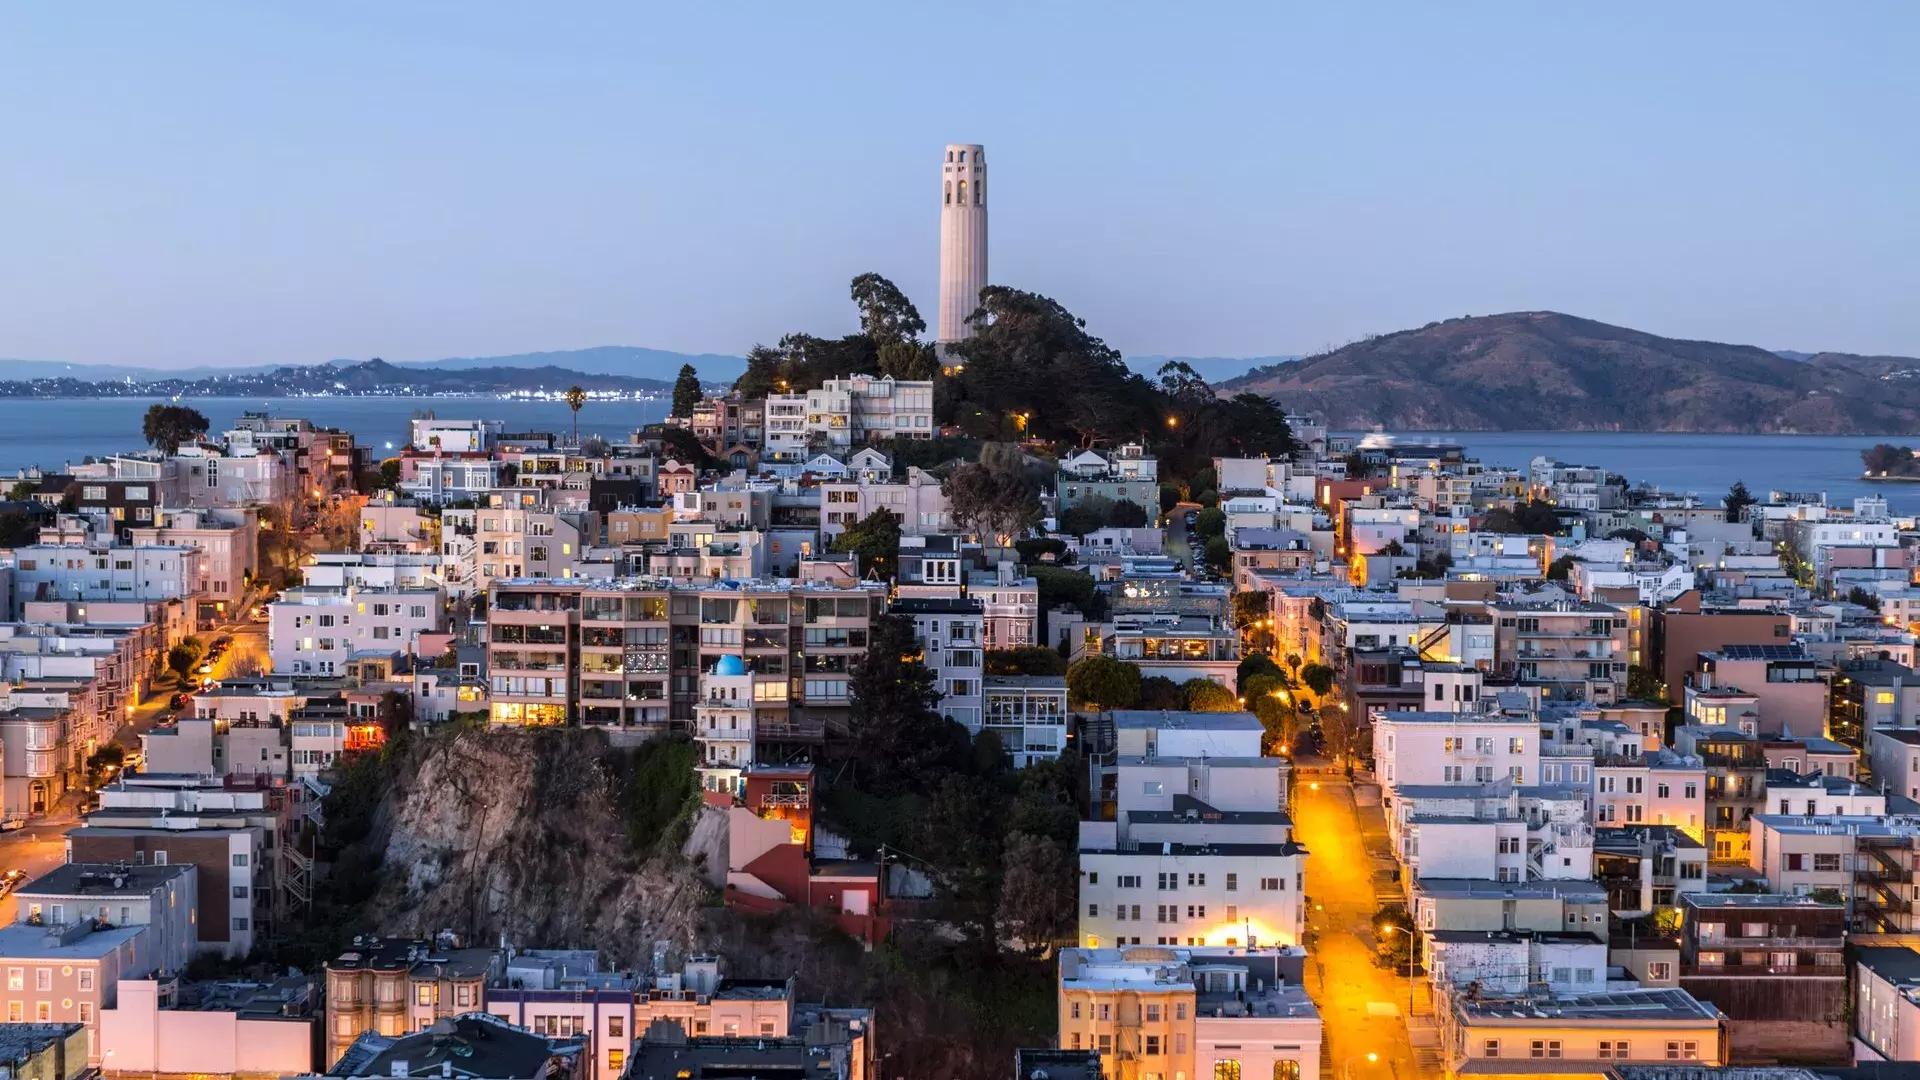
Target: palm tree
{"type": "Point", "coordinates": [576, 397]}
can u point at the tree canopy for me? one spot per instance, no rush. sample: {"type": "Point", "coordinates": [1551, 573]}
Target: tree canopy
{"type": "Point", "coordinates": [875, 539]}
{"type": "Point", "coordinates": [1104, 682]}
{"type": "Point", "coordinates": [686, 391]}
{"type": "Point", "coordinates": [1530, 518]}
{"type": "Point", "coordinates": [167, 427]}
{"type": "Point", "coordinates": [1737, 500]}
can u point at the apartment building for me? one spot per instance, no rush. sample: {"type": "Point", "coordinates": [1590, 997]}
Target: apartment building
{"type": "Point", "coordinates": [628, 653]}
{"type": "Point", "coordinates": [228, 540]}
{"type": "Point", "coordinates": [1895, 758]}
{"type": "Point", "coordinates": [1736, 767]}
{"type": "Point", "coordinates": [96, 570]}
{"type": "Point", "coordinates": [1198, 849]}
{"type": "Point", "coordinates": [1648, 867]}
{"type": "Point", "coordinates": [318, 630]}
{"type": "Point", "coordinates": [1129, 474]}
{"type": "Point", "coordinates": [440, 478]}
{"type": "Point", "coordinates": [1420, 749]}
{"type": "Point", "coordinates": [1196, 1012]}
{"type": "Point", "coordinates": [565, 993]}
{"type": "Point", "coordinates": [69, 972]}
{"type": "Point", "coordinates": [211, 477]}
{"type": "Point", "coordinates": [1010, 606]}
{"type": "Point", "coordinates": [395, 986]}
{"type": "Point", "coordinates": [223, 1030]}
{"type": "Point", "coordinates": [1774, 965]}
{"type": "Point", "coordinates": [479, 1045]}
{"type": "Point", "coordinates": [1657, 787]}
{"type": "Point", "coordinates": [495, 543]}
{"type": "Point", "coordinates": [1477, 904]}
{"type": "Point", "coordinates": [951, 632]}
{"type": "Point", "coordinates": [1028, 713]}
{"type": "Point", "coordinates": [229, 835]}
{"type": "Point", "coordinates": [163, 899]}
{"type": "Point", "coordinates": [917, 501]}
{"type": "Point", "coordinates": [849, 412]}
{"type": "Point", "coordinates": [1788, 683]}
{"type": "Point", "coordinates": [1581, 1035]}
{"type": "Point", "coordinates": [1577, 650]}
{"type": "Point", "coordinates": [1886, 1003]}
{"type": "Point", "coordinates": [1692, 624]}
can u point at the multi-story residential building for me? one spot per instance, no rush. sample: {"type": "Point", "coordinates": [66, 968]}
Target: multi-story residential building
{"type": "Point", "coordinates": [1171, 646]}
{"type": "Point", "coordinates": [317, 630]}
{"type": "Point", "coordinates": [1774, 964]}
{"type": "Point", "coordinates": [845, 413]}
{"type": "Point", "coordinates": [555, 992]}
{"type": "Point", "coordinates": [1886, 1003]}
{"type": "Point", "coordinates": [1477, 904]}
{"type": "Point", "coordinates": [229, 541]}
{"type": "Point", "coordinates": [1198, 849]}
{"type": "Point", "coordinates": [112, 572]}
{"type": "Point", "coordinates": [1577, 650]}
{"type": "Point", "coordinates": [229, 834]}
{"type": "Point", "coordinates": [1736, 767]}
{"type": "Point", "coordinates": [1692, 624]}
{"type": "Point", "coordinates": [1418, 749]}
{"type": "Point", "coordinates": [1281, 551]}
{"type": "Point", "coordinates": [1658, 787]}
{"type": "Point", "coordinates": [917, 501]}
{"type": "Point", "coordinates": [1195, 1012]}
{"type": "Point", "coordinates": [1511, 963]}
{"type": "Point", "coordinates": [161, 898]}
{"type": "Point", "coordinates": [494, 543]}
{"type": "Point", "coordinates": [36, 756]}
{"type": "Point", "coordinates": [453, 436]}
{"type": "Point", "coordinates": [1010, 606]}
{"type": "Point", "coordinates": [1790, 685]}
{"type": "Point", "coordinates": [1873, 695]}
{"type": "Point", "coordinates": [1895, 758]}
{"type": "Point", "coordinates": [211, 477]}
{"type": "Point", "coordinates": [951, 631]}
{"type": "Point", "coordinates": [1648, 867]}
{"type": "Point", "coordinates": [627, 654]}
{"type": "Point", "coordinates": [787, 433]}
{"type": "Point", "coordinates": [220, 1030]}
{"type": "Point", "coordinates": [69, 972]}
{"type": "Point", "coordinates": [122, 504]}
{"type": "Point", "coordinates": [393, 986]}
{"type": "Point", "coordinates": [1028, 713]}
{"type": "Point", "coordinates": [1130, 474]}
{"type": "Point", "coordinates": [1583, 1035]}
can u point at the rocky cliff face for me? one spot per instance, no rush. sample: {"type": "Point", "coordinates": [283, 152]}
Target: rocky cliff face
{"type": "Point", "coordinates": [526, 836]}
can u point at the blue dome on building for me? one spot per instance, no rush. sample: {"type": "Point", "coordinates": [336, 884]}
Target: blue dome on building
{"type": "Point", "coordinates": [730, 665]}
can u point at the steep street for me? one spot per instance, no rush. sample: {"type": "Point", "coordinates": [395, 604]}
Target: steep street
{"type": "Point", "coordinates": [1362, 1004]}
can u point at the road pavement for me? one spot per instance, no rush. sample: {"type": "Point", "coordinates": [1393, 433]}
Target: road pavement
{"type": "Point", "coordinates": [35, 849]}
{"type": "Point", "coordinates": [1362, 1005]}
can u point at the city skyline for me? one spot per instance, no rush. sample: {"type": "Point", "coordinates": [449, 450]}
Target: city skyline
{"type": "Point", "coordinates": [238, 186]}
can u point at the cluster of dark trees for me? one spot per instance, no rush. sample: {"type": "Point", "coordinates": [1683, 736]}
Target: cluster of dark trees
{"type": "Point", "coordinates": [1030, 371]}
{"type": "Point", "coordinates": [911, 785]}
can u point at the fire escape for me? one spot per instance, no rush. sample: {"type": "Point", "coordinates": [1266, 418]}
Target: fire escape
{"type": "Point", "coordinates": [1883, 866]}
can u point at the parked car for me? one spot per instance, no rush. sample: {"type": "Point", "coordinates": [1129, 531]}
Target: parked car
{"type": "Point", "coordinates": [180, 700]}
{"type": "Point", "coordinates": [12, 824]}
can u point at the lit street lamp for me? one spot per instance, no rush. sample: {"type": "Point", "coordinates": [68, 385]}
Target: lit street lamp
{"type": "Point", "coordinates": [1410, 943]}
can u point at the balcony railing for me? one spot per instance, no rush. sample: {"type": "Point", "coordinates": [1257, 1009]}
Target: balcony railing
{"type": "Point", "coordinates": [1762, 943]}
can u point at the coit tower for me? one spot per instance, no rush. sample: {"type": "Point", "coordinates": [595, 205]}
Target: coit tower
{"type": "Point", "coordinates": [963, 238]}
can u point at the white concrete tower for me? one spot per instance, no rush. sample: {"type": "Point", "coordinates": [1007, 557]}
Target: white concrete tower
{"type": "Point", "coordinates": [963, 238]}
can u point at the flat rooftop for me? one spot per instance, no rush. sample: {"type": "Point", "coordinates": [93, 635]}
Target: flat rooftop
{"type": "Point", "coordinates": [1658, 1004]}
{"type": "Point", "coordinates": [103, 879]}
{"type": "Point", "coordinates": [1170, 720]}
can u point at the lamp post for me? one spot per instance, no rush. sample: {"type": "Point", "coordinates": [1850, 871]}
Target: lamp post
{"type": "Point", "coordinates": [1410, 944]}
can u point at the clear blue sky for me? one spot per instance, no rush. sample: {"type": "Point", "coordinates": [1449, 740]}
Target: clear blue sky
{"type": "Point", "coordinates": [245, 182]}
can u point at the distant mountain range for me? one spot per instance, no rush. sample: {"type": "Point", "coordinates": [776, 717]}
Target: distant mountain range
{"type": "Point", "coordinates": [627, 360]}
{"type": "Point", "coordinates": [1211, 368]}
{"type": "Point", "coordinates": [370, 378]}
{"type": "Point", "coordinates": [1541, 370]}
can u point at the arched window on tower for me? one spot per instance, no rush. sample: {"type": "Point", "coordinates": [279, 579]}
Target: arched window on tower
{"type": "Point", "coordinates": [963, 193]}
{"type": "Point", "coordinates": [949, 194]}
{"type": "Point", "coordinates": [963, 157]}
{"type": "Point", "coordinates": [979, 192]}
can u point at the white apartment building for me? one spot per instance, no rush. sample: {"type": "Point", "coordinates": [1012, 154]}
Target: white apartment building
{"type": "Point", "coordinates": [917, 501]}
{"type": "Point", "coordinates": [723, 727]}
{"type": "Point", "coordinates": [97, 571]}
{"type": "Point", "coordinates": [1438, 748]}
{"type": "Point", "coordinates": [1199, 849]}
{"type": "Point", "coordinates": [372, 570]}
{"type": "Point", "coordinates": [439, 478]}
{"type": "Point", "coordinates": [210, 477]}
{"type": "Point", "coordinates": [787, 432]}
{"type": "Point", "coordinates": [951, 630]}
{"type": "Point", "coordinates": [1895, 757]}
{"type": "Point", "coordinates": [864, 408]}
{"type": "Point", "coordinates": [1028, 713]}
{"type": "Point", "coordinates": [494, 543]}
{"type": "Point", "coordinates": [453, 436]}
{"type": "Point", "coordinates": [314, 631]}
{"type": "Point", "coordinates": [1886, 1014]}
